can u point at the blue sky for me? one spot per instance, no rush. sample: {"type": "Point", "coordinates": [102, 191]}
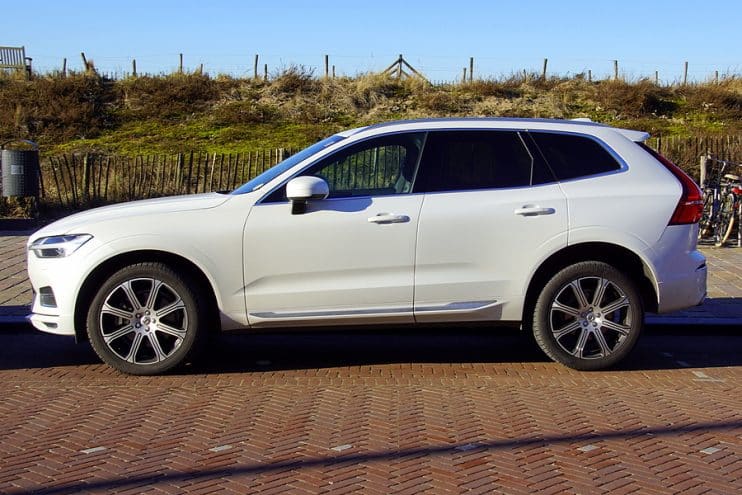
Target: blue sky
{"type": "Point", "coordinates": [436, 37]}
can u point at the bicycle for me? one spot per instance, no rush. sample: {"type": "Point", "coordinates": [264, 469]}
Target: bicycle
{"type": "Point", "coordinates": [731, 208]}
{"type": "Point", "coordinates": [722, 203]}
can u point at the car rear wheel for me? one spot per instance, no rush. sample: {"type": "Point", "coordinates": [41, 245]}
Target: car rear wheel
{"type": "Point", "coordinates": [145, 319]}
{"type": "Point", "coordinates": [588, 316]}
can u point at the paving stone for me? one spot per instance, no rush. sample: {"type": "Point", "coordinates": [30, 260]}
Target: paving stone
{"type": "Point", "coordinates": [301, 421]}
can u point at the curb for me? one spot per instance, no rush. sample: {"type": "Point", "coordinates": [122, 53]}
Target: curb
{"type": "Point", "coordinates": [13, 320]}
{"type": "Point", "coordinates": [691, 320]}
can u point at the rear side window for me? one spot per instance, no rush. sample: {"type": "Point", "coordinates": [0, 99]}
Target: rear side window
{"type": "Point", "coordinates": [466, 160]}
{"type": "Point", "coordinates": [571, 156]}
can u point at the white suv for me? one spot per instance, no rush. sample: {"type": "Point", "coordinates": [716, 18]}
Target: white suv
{"type": "Point", "coordinates": [571, 229]}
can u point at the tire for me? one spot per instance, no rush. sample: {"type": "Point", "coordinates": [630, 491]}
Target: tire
{"type": "Point", "coordinates": [705, 227]}
{"type": "Point", "coordinates": [728, 231]}
{"type": "Point", "coordinates": [146, 319]}
{"type": "Point", "coordinates": [726, 220]}
{"type": "Point", "coordinates": [588, 316]}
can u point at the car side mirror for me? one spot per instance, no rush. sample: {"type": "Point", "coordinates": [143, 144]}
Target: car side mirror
{"type": "Point", "coordinates": [300, 190]}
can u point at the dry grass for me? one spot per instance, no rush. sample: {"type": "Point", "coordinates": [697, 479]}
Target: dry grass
{"type": "Point", "coordinates": [194, 111]}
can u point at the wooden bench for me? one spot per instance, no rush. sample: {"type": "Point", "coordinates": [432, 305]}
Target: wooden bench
{"type": "Point", "coordinates": [14, 58]}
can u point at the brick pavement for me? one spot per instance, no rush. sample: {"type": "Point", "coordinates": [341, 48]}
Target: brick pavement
{"type": "Point", "coordinates": [367, 413]}
{"type": "Point", "coordinates": [15, 290]}
{"type": "Point", "coordinates": [432, 412]}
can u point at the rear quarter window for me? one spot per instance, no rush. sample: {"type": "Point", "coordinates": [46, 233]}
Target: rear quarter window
{"type": "Point", "coordinates": [571, 156]}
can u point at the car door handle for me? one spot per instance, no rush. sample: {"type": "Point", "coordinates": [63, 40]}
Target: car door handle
{"type": "Point", "coordinates": [532, 211]}
{"type": "Point", "coordinates": [389, 218]}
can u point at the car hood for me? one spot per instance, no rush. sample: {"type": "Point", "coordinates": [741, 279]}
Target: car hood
{"type": "Point", "coordinates": [77, 223]}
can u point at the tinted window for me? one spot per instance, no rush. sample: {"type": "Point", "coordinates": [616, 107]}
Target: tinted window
{"type": "Point", "coordinates": [461, 160]}
{"type": "Point", "coordinates": [572, 156]}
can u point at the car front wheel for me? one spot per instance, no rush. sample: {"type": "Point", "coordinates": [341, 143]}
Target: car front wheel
{"type": "Point", "coordinates": [145, 319]}
{"type": "Point", "coordinates": [588, 316]}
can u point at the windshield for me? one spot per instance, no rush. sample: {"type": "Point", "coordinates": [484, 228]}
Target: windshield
{"type": "Point", "coordinates": [285, 165]}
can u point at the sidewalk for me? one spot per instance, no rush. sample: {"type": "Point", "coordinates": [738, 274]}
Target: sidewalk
{"type": "Point", "coordinates": [723, 306]}
{"type": "Point", "coordinates": [15, 289]}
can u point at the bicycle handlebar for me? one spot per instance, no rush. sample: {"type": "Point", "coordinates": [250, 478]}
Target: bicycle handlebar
{"type": "Point", "coordinates": [723, 162]}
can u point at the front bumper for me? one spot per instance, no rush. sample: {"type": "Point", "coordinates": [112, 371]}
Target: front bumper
{"type": "Point", "coordinates": [56, 324]}
{"type": "Point", "coordinates": [63, 278]}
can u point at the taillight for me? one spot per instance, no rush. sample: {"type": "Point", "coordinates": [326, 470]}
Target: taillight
{"type": "Point", "coordinates": [690, 206]}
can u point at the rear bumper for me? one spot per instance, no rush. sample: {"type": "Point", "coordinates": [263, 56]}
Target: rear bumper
{"type": "Point", "coordinates": [683, 289]}
{"type": "Point", "coordinates": [680, 269]}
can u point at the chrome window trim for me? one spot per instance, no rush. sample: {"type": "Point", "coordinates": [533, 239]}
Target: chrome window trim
{"type": "Point", "coordinates": [623, 166]}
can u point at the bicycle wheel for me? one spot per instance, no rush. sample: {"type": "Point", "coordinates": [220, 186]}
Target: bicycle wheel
{"type": "Point", "coordinates": [706, 225]}
{"type": "Point", "coordinates": [735, 209]}
{"type": "Point", "coordinates": [725, 222]}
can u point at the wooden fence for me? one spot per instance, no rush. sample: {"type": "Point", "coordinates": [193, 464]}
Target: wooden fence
{"type": "Point", "coordinates": [84, 180]}
{"type": "Point", "coordinates": [81, 181]}
{"type": "Point", "coordinates": [686, 152]}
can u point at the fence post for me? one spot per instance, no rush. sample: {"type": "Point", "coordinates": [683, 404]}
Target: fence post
{"type": "Point", "coordinates": [589, 75]}
{"type": "Point", "coordinates": [327, 66]}
{"type": "Point", "coordinates": [265, 72]}
{"type": "Point", "coordinates": [471, 69]}
{"type": "Point", "coordinates": [615, 70]}
{"type": "Point", "coordinates": [543, 72]}
{"type": "Point", "coordinates": [180, 64]}
{"type": "Point", "coordinates": [705, 159]}
{"type": "Point", "coordinates": [85, 182]}
{"type": "Point", "coordinates": [685, 74]}
{"type": "Point", "coordinates": [255, 67]}
{"type": "Point", "coordinates": [134, 67]}
{"type": "Point", "coordinates": [463, 79]}
{"type": "Point", "coordinates": [657, 77]}
{"type": "Point", "coordinates": [64, 68]}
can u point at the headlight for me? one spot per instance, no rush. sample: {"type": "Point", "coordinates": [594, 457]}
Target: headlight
{"type": "Point", "coordinates": [58, 246]}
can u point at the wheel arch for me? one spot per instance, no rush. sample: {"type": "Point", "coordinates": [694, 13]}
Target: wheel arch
{"type": "Point", "coordinates": [620, 257]}
{"type": "Point", "coordinates": [110, 266]}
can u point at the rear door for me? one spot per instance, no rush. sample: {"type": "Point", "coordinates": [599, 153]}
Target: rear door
{"type": "Point", "coordinates": [491, 212]}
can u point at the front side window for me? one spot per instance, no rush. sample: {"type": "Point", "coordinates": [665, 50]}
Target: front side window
{"type": "Point", "coordinates": [377, 167]}
{"type": "Point", "coordinates": [469, 160]}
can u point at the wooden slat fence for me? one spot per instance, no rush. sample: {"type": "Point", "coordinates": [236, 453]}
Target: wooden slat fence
{"type": "Point", "coordinates": [83, 180]}
{"type": "Point", "coordinates": [686, 152]}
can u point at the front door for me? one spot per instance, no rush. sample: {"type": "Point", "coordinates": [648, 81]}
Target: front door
{"type": "Point", "coordinates": [348, 258]}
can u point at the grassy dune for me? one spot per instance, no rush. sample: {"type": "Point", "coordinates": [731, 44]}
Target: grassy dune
{"type": "Point", "coordinates": [179, 112]}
